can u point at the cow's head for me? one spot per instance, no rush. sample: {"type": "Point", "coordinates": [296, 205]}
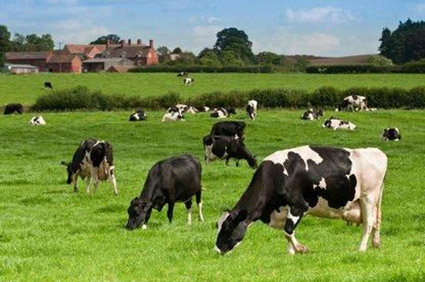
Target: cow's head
{"type": "Point", "coordinates": [69, 171]}
{"type": "Point", "coordinates": [319, 113]}
{"type": "Point", "coordinates": [231, 230]}
{"type": "Point", "coordinates": [137, 213]}
{"type": "Point", "coordinates": [252, 161]}
{"type": "Point", "coordinates": [231, 111]}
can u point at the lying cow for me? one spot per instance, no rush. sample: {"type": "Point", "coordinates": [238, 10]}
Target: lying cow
{"type": "Point", "coordinates": [251, 109]}
{"type": "Point", "coordinates": [353, 103]}
{"type": "Point", "coordinates": [229, 128]}
{"type": "Point", "coordinates": [37, 120]}
{"type": "Point", "coordinates": [324, 182]}
{"type": "Point", "coordinates": [336, 123]}
{"type": "Point", "coordinates": [391, 134]}
{"type": "Point", "coordinates": [192, 110]}
{"type": "Point", "coordinates": [187, 81]}
{"type": "Point", "coordinates": [169, 181]}
{"type": "Point", "coordinates": [138, 115]}
{"type": "Point", "coordinates": [173, 116]}
{"type": "Point", "coordinates": [182, 73]}
{"type": "Point", "coordinates": [222, 112]}
{"type": "Point", "coordinates": [204, 109]}
{"type": "Point", "coordinates": [93, 160]}
{"type": "Point", "coordinates": [227, 147]}
{"type": "Point", "coordinates": [311, 114]}
{"type": "Point", "coordinates": [13, 108]}
{"type": "Point", "coordinates": [48, 85]}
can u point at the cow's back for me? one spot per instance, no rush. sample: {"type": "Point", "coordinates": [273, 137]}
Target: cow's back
{"type": "Point", "coordinates": [186, 175]}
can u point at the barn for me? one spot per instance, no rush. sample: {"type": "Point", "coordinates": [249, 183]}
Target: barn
{"type": "Point", "coordinates": [104, 64]}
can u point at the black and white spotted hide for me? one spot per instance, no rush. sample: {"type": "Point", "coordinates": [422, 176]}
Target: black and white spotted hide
{"type": "Point", "coordinates": [138, 115]}
{"type": "Point", "coordinates": [391, 134]}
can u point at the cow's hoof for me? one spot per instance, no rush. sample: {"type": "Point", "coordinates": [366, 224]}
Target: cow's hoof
{"type": "Point", "coordinates": [144, 227]}
{"type": "Point", "coordinates": [302, 249]}
{"type": "Point", "coordinates": [75, 189]}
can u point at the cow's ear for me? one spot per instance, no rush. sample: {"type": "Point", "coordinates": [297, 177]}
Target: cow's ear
{"type": "Point", "coordinates": [241, 216]}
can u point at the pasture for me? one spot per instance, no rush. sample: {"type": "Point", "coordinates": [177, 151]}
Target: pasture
{"type": "Point", "coordinates": [50, 233]}
{"type": "Point", "coordinates": [26, 89]}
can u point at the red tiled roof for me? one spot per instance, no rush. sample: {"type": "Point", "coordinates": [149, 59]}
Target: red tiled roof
{"type": "Point", "coordinates": [83, 48]}
{"type": "Point", "coordinates": [128, 51]}
{"type": "Point", "coordinates": [56, 58]}
{"type": "Point", "coordinates": [27, 55]}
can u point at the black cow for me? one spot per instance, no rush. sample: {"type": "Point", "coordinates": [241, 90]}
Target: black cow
{"type": "Point", "coordinates": [138, 115]}
{"type": "Point", "coordinates": [229, 128]}
{"type": "Point", "coordinates": [48, 84]}
{"type": "Point", "coordinates": [391, 134]}
{"type": "Point", "coordinates": [92, 158]}
{"type": "Point", "coordinates": [227, 147]}
{"type": "Point", "coordinates": [13, 108]}
{"type": "Point", "coordinates": [169, 181]}
{"type": "Point", "coordinates": [312, 114]}
{"type": "Point", "coordinates": [323, 182]}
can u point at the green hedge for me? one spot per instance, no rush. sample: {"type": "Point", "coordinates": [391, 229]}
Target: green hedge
{"type": "Point", "coordinates": [332, 69]}
{"type": "Point", "coordinates": [327, 97]}
{"type": "Point", "coordinates": [206, 69]}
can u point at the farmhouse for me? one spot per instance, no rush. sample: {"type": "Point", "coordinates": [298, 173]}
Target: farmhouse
{"type": "Point", "coordinates": [139, 53]}
{"type": "Point", "coordinates": [104, 64]}
{"type": "Point", "coordinates": [64, 63]}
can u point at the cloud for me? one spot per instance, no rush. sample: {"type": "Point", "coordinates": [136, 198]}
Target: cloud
{"type": "Point", "coordinates": [204, 36]}
{"type": "Point", "coordinates": [328, 14]}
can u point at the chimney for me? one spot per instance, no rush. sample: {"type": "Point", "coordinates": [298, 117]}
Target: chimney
{"type": "Point", "coordinates": [139, 41]}
{"type": "Point", "coordinates": [122, 43]}
{"type": "Point", "coordinates": [129, 42]}
{"type": "Point", "coordinates": [108, 42]}
{"type": "Point", "coordinates": [151, 43]}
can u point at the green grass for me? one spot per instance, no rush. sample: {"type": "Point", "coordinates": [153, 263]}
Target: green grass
{"type": "Point", "coordinates": [49, 233]}
{"type": "Point", "coordinates": [25, 89]}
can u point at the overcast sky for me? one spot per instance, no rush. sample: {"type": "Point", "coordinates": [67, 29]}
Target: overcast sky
{"type": "Point", "coordinates": [317, 27]}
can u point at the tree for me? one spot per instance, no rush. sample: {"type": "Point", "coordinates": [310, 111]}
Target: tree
{"type": "Point", "coordinates": [208, 57]}
{"type": "Point", "coordinates": [4, 43]}
{"type": "Point", "coordinates": [32, 42]}
{"type": "Point", "coordinates": [113, 38]}
{"type": "Point", "coordinates": [233, 39]}
{"type": "Point", "coordinates": [269, 58]}
{"type": "Point", "coordinates": [379, 61]}
{"type": "Point", "coordinates": [177, 50]}
{"type": "Point", "coordinates": [163, 54]}
{"type": "Point", "coordinates": [406, 43]}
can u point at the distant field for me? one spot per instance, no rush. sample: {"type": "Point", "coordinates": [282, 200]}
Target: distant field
{"type": "Point", "coordinates": [49, 233]}
{"type": "Point", "coordinates": [25, 89]}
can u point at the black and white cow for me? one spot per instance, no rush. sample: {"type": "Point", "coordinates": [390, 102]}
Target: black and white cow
{"type": "Point", "coordinates": [229, 128]}
{"type": "Point", "coordinates": [48, 85]}
{"type": "Point", "coordinates": [227, 147]}
{"type": "Point", "coordinates": [336, 123]}
{"type": "Point", "coordinates": [169, 181]}
{"type": "Point", "coordinates": [37, 120]}
{"type": "Point", "coordinates": [320, 181]}
{"type": "Point", "coordinates": [204, 109]}
{"type": "Point", "coordinates": [391, 134]}
{"type": "Point", "coordinates": [187, 81]}
{"type": "Point", "coordinates": [138, 115]}
{"type": "Point", "coordinates": [222, 112]}
{"type": "Point", "coordinates": [353, 103]}
{"type": "Point", "coordinates": [312, 114]}
{"type": "Point", "coordinates": [182, 73]}
{"type": "Point", "coordinates": [251, 109]}
{"type": "Point", "coordinates": [93, 160]}
{"type": "Point", "coordinates": [13, 108]}
{"type": "Point", "coordinates": [173, 116]}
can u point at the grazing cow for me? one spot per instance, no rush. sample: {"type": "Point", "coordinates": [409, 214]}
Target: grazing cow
{"type": "Point", "coordinates": [391, 134]}
{"type": "Point", "coordinates": [48, 84]}
{"type": "Point", "coordinates": [173, 116]}
{"type": "Point", "coordinates": [169, 181]}
{"type": "Point", "coordinates": [13, 108]}
{"type": "Point", "coordinates": [92, 158]}
{"type": "Point", "coordinates": [222, 112]}
{"type": "Point", "coordinates": [229, 128]}
{"type": "Point", "coordinates": [311, 114]}
{"type": "Point", "coordinates": [187, 81]}
{"type": "Point", "coordinates": [324, 182]}
{"type": "Point", "coordinates": [251, 109]}
{"type": "Point", "coordinates": [37, 120]}
{"type": "Point", "coordinates": [227, 147]}
{"type": "Point", "coordinates": [354, 103]}
{"type": "Point", "coordinates": [336, 123]}
{"type": "Point", "coordinates": [138, 115]}
{"type": "Point", "coordinates": [183, 73]}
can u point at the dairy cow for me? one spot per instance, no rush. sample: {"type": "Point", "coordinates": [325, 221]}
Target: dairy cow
{"type": "Point", "coordinates": [229, 128]}
{"type": "Point", "coordinates": [320, 181]}
{"type": "Point", "coordinates": [93, 160]}
{"type": "Point", "coordinates": [13, 108]}
{"type": "Point", "coordinates": [353, 103]}
{"type": "Point", "coordinates": [138, 115]}
{"type": "Point", "coordinates": [391, 134]}
{"type": "Point", "coordinates": [172, 180]}
{"type": "Point", "coordinates": [222, 112]}
{"type": "Point", "coordinates": [337, 124]}
{"type": "Point", "coordinates": [37, 120]}
{"type": "Point", "coordinates": [251, 109]}
{"type": "Point", "coordinates": [312, 114]}
{"type": "Point", "coordinates": [187, 81]}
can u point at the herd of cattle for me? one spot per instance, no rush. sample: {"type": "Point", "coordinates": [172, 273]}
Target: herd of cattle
{"type": "Point", "coordinates": [286, 186]}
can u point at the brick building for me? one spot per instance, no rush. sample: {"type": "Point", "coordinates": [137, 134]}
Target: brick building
{"type": "Point", "coordinates": [38, 59]}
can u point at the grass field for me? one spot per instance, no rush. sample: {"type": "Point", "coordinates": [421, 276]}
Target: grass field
{"type": "Point", "coordinates": [25, 89]}
{"type": "Point", "coordinates": [49, 233]}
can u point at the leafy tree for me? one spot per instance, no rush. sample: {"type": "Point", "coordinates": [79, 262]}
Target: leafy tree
{"type": "Point", "coordinates": [406, 43]}
{"type": "Point", "coordinates": [209, 57]}
{"type": "Point", "coordinates": [177, 50]}
{"type": "Point", "coordinates": [379, 61]}
{"type": "Point", "coordinates": [113, 38]}
{"type": "Point", "coordinates": [233, 39]}
{"type": "Point", "coordinates": [185, 58]}
{"type": "Point", "coordinates": [163, 54]}
{"type": "Point", "coordinates": [4, 43]}
{"type": "Point", "coordinates": [301, 64]}
{"type": "Point", "coordinates": [230, 58]}
{"type": "Point", "coordinates": [32, 42]}
{"type": "Point", "coordinates": [269, 58]}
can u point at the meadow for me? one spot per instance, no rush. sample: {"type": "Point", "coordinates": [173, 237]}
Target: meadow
{"type": "Point", "coordinates": [26, 89]}
{"type": "Point", "coordinates": [50, 233]}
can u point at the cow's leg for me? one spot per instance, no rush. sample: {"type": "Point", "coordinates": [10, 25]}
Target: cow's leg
{"type": "Point", "coordinates": [113, 182]}
{"type": "Point", "coordinates": [75, 181]}
{"type": "Point", "coordinates": [295, 213]}
{"type": "Point", "coordinates": [227, 160]}
{"type": "Point", "coordinates": [199, 204]}
{"type": "Point", "coordinates": [376, 230]}
{"type": "Point", "coordinates": [148, 215]}
{"type": "Point", "coordinates": [170, 211]}
{"type": "Point", "coordinates": [368, 206]}
{"type": "Point", "coordinates": [188, 204]}
{"type": "Point", "coordinates": [237, 163]}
